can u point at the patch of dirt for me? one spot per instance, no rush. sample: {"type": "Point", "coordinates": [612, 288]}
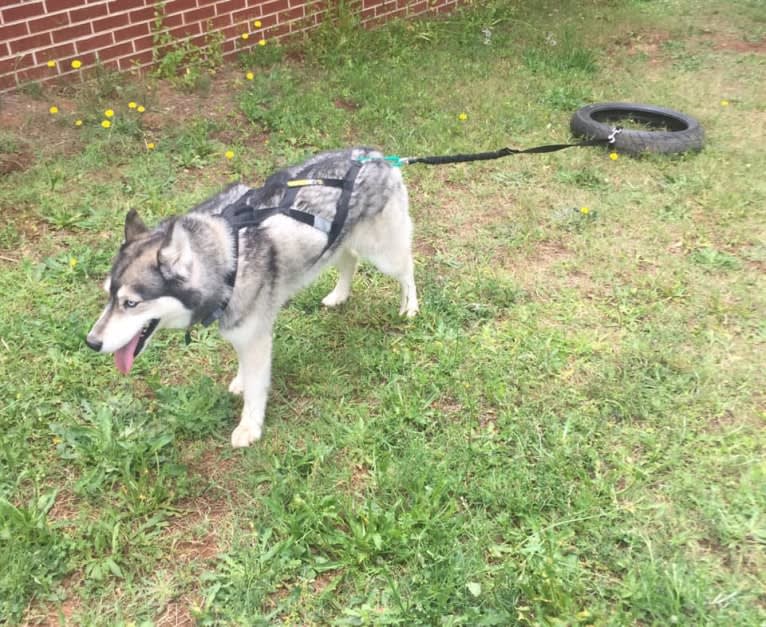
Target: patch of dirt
{"type": "Point", "coordinates": [346, 105]}
{"type": "Point", "coordinates": [737, 45]}
{"type": "Point", "coordinates": [202, 548]}
{"type": "Point", "coordinates": [195, 532]}
{"type": "Point", "coordinates": [216, 103]}
{"type": "Point", "coordinates": [33, 133]}
{"type": "Point", "coordinates": [28, 118]}
{"type": "Point", "coordinates": [648, 44]}
{"type": "Point", "coordinates": [57, 615]}
{"type": "Point", "coordinates": [29, 227]}
{"type": "Point", "coordinates": [423, 248]}
{"type": "Point", "coordinates": [488, 420]}
{"type": "Point", "coordinates": [447, 406]}
{"type": "Point", "coordinates": [17, 161]}
{"type": "Point", "coordinates": [177, 613]}
{"type": "Point", "coordinates": [551, 265]}
{"type": "Point", "coordinates": [538, 265]}
{"type": "Point", "coordinates": [730, 421]}
{"type": "Point", "coordinates": [442, 218]}
{"type": "Point", "coordinates": [323, 580]}
{"type": "Point", "coordinates": [65, 507]}
{"type": "Point", "coordinates": [360, 478]}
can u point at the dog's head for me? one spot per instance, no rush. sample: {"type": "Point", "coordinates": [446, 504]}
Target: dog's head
{"type": "Point", "coordinates": [153, 284]}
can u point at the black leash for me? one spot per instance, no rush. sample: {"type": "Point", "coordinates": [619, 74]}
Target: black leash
{"type": "Point", "coordinates": [498, 154]}
{"type": "Point", "coordinates": [503, 152]}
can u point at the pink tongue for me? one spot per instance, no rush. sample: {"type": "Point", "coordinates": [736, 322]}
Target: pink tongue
{"type": "Point", "coordinates": [123, 358]}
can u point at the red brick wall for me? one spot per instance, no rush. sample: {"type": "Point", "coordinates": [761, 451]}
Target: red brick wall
{"type": "Point", "coordinates": [119, 33]}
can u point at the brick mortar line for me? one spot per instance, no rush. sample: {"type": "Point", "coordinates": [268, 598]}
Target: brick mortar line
{"type": "Point", "coordinates": [70, 41]}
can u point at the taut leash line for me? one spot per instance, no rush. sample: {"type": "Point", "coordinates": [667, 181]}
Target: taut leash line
{"type": "Point", "coordinates": [497, 154]}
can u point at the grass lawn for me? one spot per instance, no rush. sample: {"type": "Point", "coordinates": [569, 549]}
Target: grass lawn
{"type": "Point", "coordinates": [571, 431]}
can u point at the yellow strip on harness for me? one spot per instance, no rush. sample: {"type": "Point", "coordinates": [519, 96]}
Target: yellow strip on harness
{"type": "Point", "coordinates": [304, 182]}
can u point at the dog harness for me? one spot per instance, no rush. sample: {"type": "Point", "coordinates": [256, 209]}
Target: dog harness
{"type": "Point", "coordinates": [242, 214]}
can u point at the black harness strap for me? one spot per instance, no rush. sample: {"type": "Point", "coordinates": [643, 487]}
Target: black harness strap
{"type": "Point", "coordinates": [341, 212]}
{"type": "Point", "coordinates": [242, 214]}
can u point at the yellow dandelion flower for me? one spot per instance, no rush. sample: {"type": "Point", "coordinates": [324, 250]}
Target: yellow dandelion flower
{"type": "Point", "coordinates": [462, 116]}
{"type": "Point", "coordinates": [229, 154]}
{"type": "Point", "coordinates": [724, 103]}
{"type": "Point", "coordinates": [614, 156]}
{"type": "Point", "coordinates": [262, 42]}
{"type": "Point", "coordinates": [78, 122]}
{"type": "Point", "coordinates": [257, 23]}
{"type": "Point", "coordinates": [140, 108]}
{"type": "Point", "coordinates": [150, 146]}
{"type": "Point", "coordinates": [53, 110]}
{"type": "Point", "coordinates": [109, 113]}
{"type": "Point", "coordinates": [76, 64]}
{"type": "Point", "coordinates": [72, 262]}
{"type": "Point", "coordinates": [57, 440]}
{"type": "Point", "coordinates": [249, 76]}
{"type": "Point", "coordinates": [245, 35]}
{"type": "Point", "coordinates": [51, 63]}
{"type": "Point", "coordinates": [105, 123]}
{"type": "Point", "coordinates": [132, 105]}
{"type": "Point", "coordinates": [584, 210]}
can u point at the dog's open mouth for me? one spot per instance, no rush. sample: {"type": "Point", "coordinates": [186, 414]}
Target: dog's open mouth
{"type": "Point", "coordinates": [124, 357]}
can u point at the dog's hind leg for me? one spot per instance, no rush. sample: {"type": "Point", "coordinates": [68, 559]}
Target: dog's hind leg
{"type": "Point", "coordinates": [405, 273]}
{"type": "Point", "coordinates": [392, 255]}
{"type": "Point", "coordinates": [346, 264]}
{"type": "Point", "coordinates": [409, 299]}
{"type": "Point", "coordinates": [396, 261]}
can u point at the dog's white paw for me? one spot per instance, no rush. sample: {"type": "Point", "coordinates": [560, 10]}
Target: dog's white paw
{"type": "Point", "coordinates": [244, 435]}
{"type": "Point", "coordinates": [335, 298]}
{"type": "Point", "coordinates": [236, 387]}
{"type": "Point", "coordinates": [410, 310]}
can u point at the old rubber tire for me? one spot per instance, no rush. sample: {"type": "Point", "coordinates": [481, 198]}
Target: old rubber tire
{"type": "Point", "coordinates": [675, 131]}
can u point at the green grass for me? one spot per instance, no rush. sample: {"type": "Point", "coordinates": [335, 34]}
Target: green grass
{"type": "Point", "coordinates": [571, 431]}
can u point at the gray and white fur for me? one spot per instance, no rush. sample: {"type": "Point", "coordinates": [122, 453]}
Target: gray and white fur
{"type": "Point", "coordinates": [173, 276]}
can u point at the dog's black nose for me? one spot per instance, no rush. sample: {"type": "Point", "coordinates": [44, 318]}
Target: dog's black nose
{"type": "Point", "coordinates": [94, 344]}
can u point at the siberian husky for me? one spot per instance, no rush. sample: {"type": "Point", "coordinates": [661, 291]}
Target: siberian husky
{"type": "Point", "coordinates": [237, 258]}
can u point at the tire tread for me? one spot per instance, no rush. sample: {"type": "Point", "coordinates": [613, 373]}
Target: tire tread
{"type": "Point", "coordinates": [692, 137]}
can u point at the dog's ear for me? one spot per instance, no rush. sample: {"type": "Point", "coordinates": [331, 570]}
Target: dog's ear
{"type": "Point", "coordinates": [175, 256]}
{"type": "Point", "coordinates": [134, 226]}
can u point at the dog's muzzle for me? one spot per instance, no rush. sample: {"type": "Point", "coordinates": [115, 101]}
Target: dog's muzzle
{"type": "Point", "coordinates": [94, 343]}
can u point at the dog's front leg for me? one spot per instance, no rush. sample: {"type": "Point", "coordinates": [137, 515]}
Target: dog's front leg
{"type": "Point", "coordinates": [254, 375]}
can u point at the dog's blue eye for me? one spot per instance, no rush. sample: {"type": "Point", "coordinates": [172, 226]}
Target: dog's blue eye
{"type": "Point", "coordinates": [129, 304]}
